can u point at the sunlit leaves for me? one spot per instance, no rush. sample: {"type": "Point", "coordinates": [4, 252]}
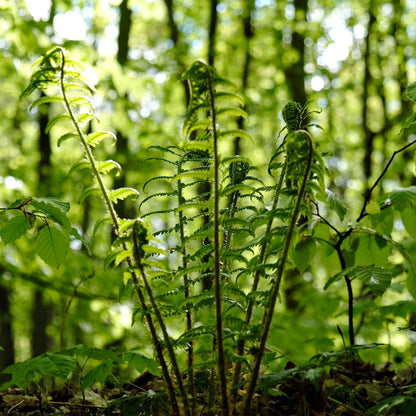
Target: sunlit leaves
{"type": "Point", "coordinates": [122, 193]}
{"type": "Point", "coordinates": [52, 246]}
{"type": "Point", "coordinates": [336, 204]}
{"type": "Point", "coordinates": [15, 228]}
{"type": "Point", "coordinates": [140, 362]}
{"type": "Point", "coordinates": [47, 364]}
{"type": "Point", "coordinates": [377, 279]}
{"type": "Point", "coordinates": [402, 197]}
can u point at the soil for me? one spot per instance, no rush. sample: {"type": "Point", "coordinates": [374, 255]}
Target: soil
{"type": "Point", "coordinates": [350, 389]}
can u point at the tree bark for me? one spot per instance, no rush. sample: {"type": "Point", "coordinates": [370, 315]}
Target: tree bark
{"type": "Point", "coordinates": [295, 72]}
{"type": "Point", "coordinates": [6, 331]}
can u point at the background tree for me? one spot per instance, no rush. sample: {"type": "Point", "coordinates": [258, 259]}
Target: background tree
{"type": "Point", "coordinates": [352, 59]}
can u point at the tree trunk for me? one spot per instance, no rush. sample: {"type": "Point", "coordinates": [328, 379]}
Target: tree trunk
{"type": "Point", "coordinates": [6, 331]}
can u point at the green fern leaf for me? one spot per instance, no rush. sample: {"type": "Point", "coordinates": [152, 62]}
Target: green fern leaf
{"type": "Point", "coordinates": [122, 193]}
{"type": "Point", "coordinates": [197, 205]}
{"type": "Point", "coordinates": [87, 192]}
{"type": "Point", "coordinates": [57, 119]}
{"type": "Point", "coordinates": [97, 137]}
{"type": "Point", "coordinates": [45, 100]}
{"type": "Point", "coordinates": [108, 165]}
{"type": "Point", "coordinates": [52, 246]}
{"type": "Point", "coordinates": [234, 133]}
{"type": "Point", "coordinates": [227, 96]}
{"type": "Point", "coordinates": [232, 111]}
{"type": "Point", "coordinates": [67, 136]}
{"type": "Point", "coordinates": [81, 164]}
{"type": "Point", "coordinates": [200, 173]}
{"type": "Point", "coordinates": [85, 118]}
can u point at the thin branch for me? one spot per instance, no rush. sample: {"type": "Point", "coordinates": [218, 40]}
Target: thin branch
{"type": "Point", "coordinates": [368, 195]}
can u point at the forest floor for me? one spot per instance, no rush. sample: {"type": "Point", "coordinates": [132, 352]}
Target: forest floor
{"type": "Point", "coordinates": [355, 389]}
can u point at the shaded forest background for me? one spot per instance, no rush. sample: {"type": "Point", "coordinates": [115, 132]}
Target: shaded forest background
{"type": "Point", "coordinates": [352, 59]}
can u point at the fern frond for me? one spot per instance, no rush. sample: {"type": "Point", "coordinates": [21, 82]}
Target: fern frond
{"type": "Point", "coordinates": [122, 193]}
{"type": "Point", "coordinates": [45, 100]}
{"type": "Point", "coordinates": [57, 119]}
{"type": "Point", "coordinates": [108, 165]}
{"type": "Point", "coordinates": [97, 137]}
{"type": "Point", "coordinates": [67, 136]}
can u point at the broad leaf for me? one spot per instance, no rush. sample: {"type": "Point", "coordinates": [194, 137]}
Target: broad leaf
{"type": "Point", "coordinates": [97, 375]}
{"type": "Point", "coordinates": [47, 364]}
{"type": "Point", "coordinates": [378, 279]}
{"type": "Point", "coordinates": [409, 220]}
{"type": "Point", "coordinates": [411, 91]}
{"type": "Point", "coordinates": [336, 204]}
{"type": "Point", "coordinates": [140, 362]}
{"type": "Point", "coordinates": [52, 246]}
{"type": "Point", "coordinates": [303, 253]}
{"type": "Point", "coordinates": [15, 228]}
{"type": "Point", "coordinates": [52, 210]}
{"type": "Point", "coordinates": [402, 197]}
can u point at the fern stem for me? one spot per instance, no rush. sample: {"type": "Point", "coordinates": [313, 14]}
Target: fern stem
{"type": "Point", "coordinates": [116, 227]}
{"type": "Point", "coordinates": [254, 286]}
{"type": "Point", "coordinates": [268, 313]}
{"type": "Point", "coordinates": [190, 349]}
{"type": "Point", "coordinates": [159, 317]}
{"type": "Point", "coordinates": [221, 361]}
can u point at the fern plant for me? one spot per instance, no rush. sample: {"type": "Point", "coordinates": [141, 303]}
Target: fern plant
{"type": "Point", "coordinates": [239, 235]}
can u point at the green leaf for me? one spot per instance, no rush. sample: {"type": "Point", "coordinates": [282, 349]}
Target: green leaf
{"type": "Point", "coordinates": [15, 228]}
{"type": "Point", "coordinates": [411, 91]}
{"type": "Point", "coordinates": [87, 192]}
{"type": "Point", "coordinates": [336, 204]}
{"type": "Point", "coordinates": [85, 351]}
{"type": "Point", "coordinates": [45, 100]}
{"type": "Point", "coordinates": [97, 375]}
{"type": "Point", "coordinates": [47, 364]}
{"type": "Point", "coordinates": [122, 193]}
{"type": "Point", "coordinates": [372, 249]}
{"type": "Point", "coordinates": [402, 197]}
{"type": "Point", "coordinates": [378, 279]}
{"type": "Point", "coordinates": [233, 133]}
{"type": "Point", "coordinates": [408, 216]}
{"type": "Point", "coordinates": [304, 253]}
{"type": "Point", "coordinates": [55, 120]}
{"type": "Point", "coordinates": [108, 166]}
{"type": "Point", "coordinates": [97, 137]}
{"type": "Point", "coordinates": [140, 362]}
{"type": "Point", "coordinates": [339, 276]}
{"type": "Point", "coordinates": [52, 246]}
{"type": "Point", "coordinates": [52, 211]}
{"type": "Point", "coordinates": [67, 136]}
{"type": "Point", "coordinates": [373, 208]}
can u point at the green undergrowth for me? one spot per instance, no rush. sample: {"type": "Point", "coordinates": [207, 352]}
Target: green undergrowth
{"type": "Point", "coordinates": [231, 250]}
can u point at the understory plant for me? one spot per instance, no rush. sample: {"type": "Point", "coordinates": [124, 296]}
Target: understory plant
{"type": "Point", "coordinates": [235, 236]}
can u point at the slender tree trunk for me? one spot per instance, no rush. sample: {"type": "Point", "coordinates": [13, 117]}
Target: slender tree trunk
{"type": "Point", "coordinates": [295, 73]}
{"type": "Point", "coordinates": [248, 35]}
{"type": "Point", "coordinates": [42, 312]}
{"type": "Point", "coordinates": [122, 141]}
{"type": "Point", "coordinates": [6, 330]}
{"type": "Point", "coordinates": [212, 32]}
{"type": "Point", "coordinates": [368, 134]}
